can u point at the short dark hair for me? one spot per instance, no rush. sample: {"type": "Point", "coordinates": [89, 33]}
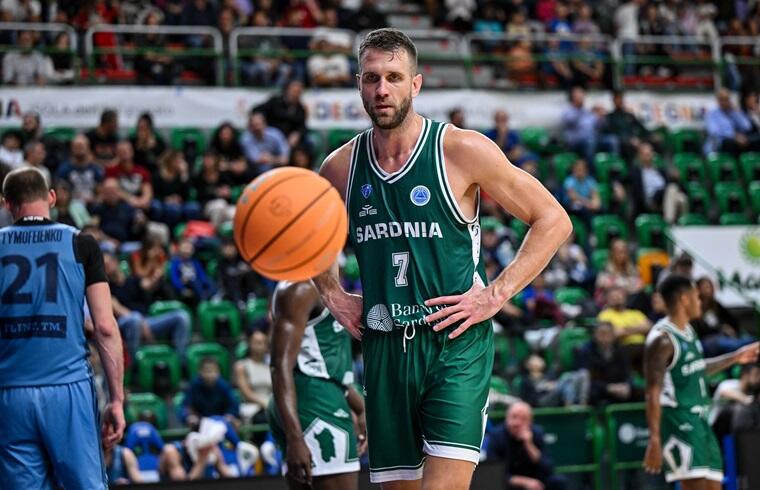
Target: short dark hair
{"type": "Point", "coordinates": [673, 287]}
{"type": "Point", "coordinates": [208, 360]}
{"type": "Point", "coordinates": [108, 116]}
{"type": "Point", "coordinates": [747, 368]}
{"type": "Point", "coordinates": [684, 260]}
{"type": "Point", "coordinates": [24, 185]}
{"type": "Point", "coordinates": [392, 41]}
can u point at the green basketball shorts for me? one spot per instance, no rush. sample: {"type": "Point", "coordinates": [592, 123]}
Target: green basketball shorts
{"type": "Point", "coordinates": [328, 426]}
{"type": "Point", "coordinates": [689, 448]}
{"type": "Point", "coordinates": [430, 400]}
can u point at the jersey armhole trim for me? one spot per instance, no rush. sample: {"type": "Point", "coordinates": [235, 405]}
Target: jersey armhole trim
{"type": "Point", "coordinates": [443, 180]}
{"type": "Point", "coordinates": [676, 349]}
{"type": "Point", "coordinates": [352, 167]}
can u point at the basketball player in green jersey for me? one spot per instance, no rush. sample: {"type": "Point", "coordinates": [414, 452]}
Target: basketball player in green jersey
{"type": "Point", "coordinates": [677, 399]}
{"type": "Point", "coordinates": [411, 187]}
{"type": "Point", "coordinates": [314, 405]}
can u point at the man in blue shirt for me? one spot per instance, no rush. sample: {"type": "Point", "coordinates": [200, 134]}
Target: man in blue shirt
{"type": "Point", "coordinates": [49, 434]}
{"type": "Point", "coordinates": [582, 192]}
{"type": "Point", "coordinates": [728, 129]}
{"type": "Point", "coordinates": [580, 128]}
{"type": "Point", "coordinates": [265, 147]}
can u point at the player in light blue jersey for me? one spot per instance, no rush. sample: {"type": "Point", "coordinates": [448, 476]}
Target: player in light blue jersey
{"type": "Point", "coordinates": [49, 430]}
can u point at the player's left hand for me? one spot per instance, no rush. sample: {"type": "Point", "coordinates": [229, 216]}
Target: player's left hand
{"type": "Point", "coordinates": [360, 426]}
{"type": "Point", "coordinates": [748, 354]}
{"type": "Point", "coordinates": [113, 424]}
{"type": "Point", "coordinates": [476, 305]}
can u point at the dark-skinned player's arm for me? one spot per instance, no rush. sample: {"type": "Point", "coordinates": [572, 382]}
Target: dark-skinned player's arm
{"type": "Point", "coordinates": [743, 355]}
{"type": "Point", "coordinates": [658, 354]}
{"type": "Point", "coordinates": [292, 307]}
{"type": "Point", "coordinates": [476, 161]}
{"type": "Point", "coordinates": [356, 403]}
{"type": "Point", "coordinates": [345, 307]}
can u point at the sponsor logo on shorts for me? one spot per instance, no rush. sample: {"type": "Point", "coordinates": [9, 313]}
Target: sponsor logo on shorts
{"type": "Point", "coordinates": [340, 413]}
{"type": "Point", "coordinates": [379, 318]}
{"type": "Point", "coordinates": [685, 427]}
{"type": "Point", "coordinates": [420, 195]}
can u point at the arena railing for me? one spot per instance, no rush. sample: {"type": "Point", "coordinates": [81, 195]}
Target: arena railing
{"type": "Point", "coordinates": [47, 48]}
{"type": "Point", "coordinates": [288, 43]}
{"type": "Point", "coordinates": [216, 51]}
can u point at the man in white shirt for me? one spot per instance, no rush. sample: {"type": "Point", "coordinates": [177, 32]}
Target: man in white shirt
{"type": "Point", "coordinates": [627, 28]}
{"type": "Point", "coordinates": [26, 66]}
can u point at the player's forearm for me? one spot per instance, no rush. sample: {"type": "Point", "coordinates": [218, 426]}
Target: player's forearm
{"type": "Point", "coordinates": [328, 283]}
{"type": "Point", "coordinates": [355, 401]}
{"type": "Point", "coordinates": [541, 243]}
{"type": "Point", "coordinates": [108, 343]}
{"type": "Point", "coordinates": [654, 411]}
{"type": "Point", "coordinates": [717, 364]}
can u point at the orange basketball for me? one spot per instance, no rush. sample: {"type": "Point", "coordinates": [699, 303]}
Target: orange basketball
{"type": "Point", "coordinates": [290, 224]}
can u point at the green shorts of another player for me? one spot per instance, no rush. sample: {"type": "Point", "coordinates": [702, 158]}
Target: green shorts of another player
{"type": "Point", "coordinates": [689, 447]}
{"type": "Point", "coordinates": [327, 425]}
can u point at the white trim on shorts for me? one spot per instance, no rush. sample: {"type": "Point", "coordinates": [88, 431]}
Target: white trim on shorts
{"type": "Point", "coordinates": [328, 469]}
{"type": "Point", "coordinates": [395, 473]}
{"type": "Point", "coordinates": [692, 473]}
{"type": "Point", "coordinates": [451, 452]}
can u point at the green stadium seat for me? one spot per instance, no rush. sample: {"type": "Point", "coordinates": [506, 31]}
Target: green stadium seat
{"type": "Point", "coordinates": [750, 164]}
{"type": "Point", "coordinates": [197, 352]}
{"type": "Point", "coordinates": [499, 385]}
{"type": "Point", "coordinates": [580, 230]}
{"type": "Point", "coordinates": [699, 198]}
{"type": "Point", "coordinates": [606, 227]}
{"type": "Point", "coordinates": [159, 307]}
{"type": "Point", "coordinates": [153, 358]}
{"type": "Point", "coordinates": [659, 161]}
{"type": "Point", "coordinates": [730, 197]}
{"type": "Point", "coordinates": [754, 195]}
{"type": "Point", "coordinates": [685, 139]}
{"type": "Point", "coordinates": [178, 137]}
{"type": "Point", "coordinates": [225, 229]}
{"type": "Point", "coordinates": [693, 219]}
{"type": "Point", "coordinates": [519, 228]}
{"type": "Point", "coordinates": [510, 352]}
{"type": "Point", "coordinates": [722, 167]}
{"type": "Point", "coordinates": [338, 137]}
{"type": "Point", "coordinates": [609, 167]}
{"type": "Point", "coordinates": [256, 309]}
{"type": "Point", "coordinates": [570, 295]}
{"type": "Point", "coordinates": [728, 219]}
{"type": "Point", "coordinates": [535, 138]}
{"type": "Point", "coordinates": [211, 314]}
{"type": "Point", "coordinates": [140, 403]}
{"type": "Point", "coordinates": [241, 349]}
{"type": "Point", "coordinates": [599, 259]}
{"type": "Point", "coordinates": [651, 230]}
{"type": "Point", "coordinates": [563, 163]}
{"type": "Point", "coordinates": [605, 195]}
{"type": "Point", "coordinates": [60, 134]}
{"type": "Point", "coordinates": [627, 438]}
{"type": "Point", "coordinates": [570, 339]}
{"type": "Point", "coordinates": [690, 167]}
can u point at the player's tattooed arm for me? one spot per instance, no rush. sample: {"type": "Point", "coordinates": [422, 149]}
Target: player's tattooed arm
{"type": "Point", "coordinates": [744, 355]}
{"type": "Point", "coordinates": [657, 356]}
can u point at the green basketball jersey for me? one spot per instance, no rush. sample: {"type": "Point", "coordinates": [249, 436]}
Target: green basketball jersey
{"type": "Point", "coordinates": [325, 350]}
{"type": "Point", "coordinates": [684, 385]}
{"type": "Point", "coordinates": [412, 241]}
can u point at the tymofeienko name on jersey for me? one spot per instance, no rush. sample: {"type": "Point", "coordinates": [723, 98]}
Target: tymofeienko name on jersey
{"type": "Point", "coordinates": [394, 229]}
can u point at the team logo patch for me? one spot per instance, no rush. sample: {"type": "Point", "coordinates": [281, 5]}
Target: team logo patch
{"type": "Point", "coordinates": [366, 190]}
{"type": "Point", "coordinates": [420, 195]}
{"type": "Point", "coordinates": [379, 318]}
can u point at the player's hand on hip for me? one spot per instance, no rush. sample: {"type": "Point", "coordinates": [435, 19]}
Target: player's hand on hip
{"type": "Point", "coordinates": [347, 309]}
{"type": "Point", "coordinates": [298, 458]}
{"type": "Point", "coordinates": [748, 354]}
{"type": "Point", "coordinates": [113, 424]}
{"type": "Point", "coordinates": [653, 457]}
{"type": "Point", "coordinates": [476, 305]}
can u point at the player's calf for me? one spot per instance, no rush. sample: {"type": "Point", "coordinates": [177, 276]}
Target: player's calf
{"type": "Point", "coordinates": [452, 474]}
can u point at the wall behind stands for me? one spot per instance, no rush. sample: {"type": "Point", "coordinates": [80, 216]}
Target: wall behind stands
{"type": "Point", "coordinates": [80, 107]}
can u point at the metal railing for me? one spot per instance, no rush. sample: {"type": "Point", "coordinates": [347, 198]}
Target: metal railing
{"type": "Point", "coordinates": [48, 48]}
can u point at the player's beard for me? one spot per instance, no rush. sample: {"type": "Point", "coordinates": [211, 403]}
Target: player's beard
{"type": "Point", "coordinates": [396, 119]}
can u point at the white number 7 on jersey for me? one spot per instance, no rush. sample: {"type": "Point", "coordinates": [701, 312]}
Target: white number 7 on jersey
{"type": "Point", "coordinates": [401, 260]}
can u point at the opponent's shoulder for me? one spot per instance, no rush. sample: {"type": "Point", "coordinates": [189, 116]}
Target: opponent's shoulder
{"type": "Point", "coordinates": [337, 165]}
{"type": "Point", "coordinates": [292, 297]}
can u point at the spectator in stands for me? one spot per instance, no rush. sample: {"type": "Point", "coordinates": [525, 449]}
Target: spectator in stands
{"type": "Point", "coordinates": [148, 145]}
{"type": "Point", "coordinates": [608, 367]}
{"type": "Point", "coordinates": [35, 156]}
{"type": "Point", "coordinates": [367, 17]}
{"type": "Point", "coordinates": [199, 13]}
{"type": "Point", "coordinates": [104, 137]}
{"type": "Point", "coordinates": [520, 444]}
{"type": "Point", "coordinates": [569, 266]}
{"type": "Point", "coordinates": [236, 280]}
{"type": "Point", "coordinates": [301, 157]}
{"type": "Point", "coordinates": [730, 395]}
{"type": "Point", "coordinates": [131, 301]}
{"type": "Point", "coordinates": [459, 14]}
{"type": "Point", "coordinates": [751, 110]}
{"type": "Point", "coordinates": [587, 64]}
{"type": "Point", "coordinates": [518, 23]}
{"type": "Point", "coordinates": [68, 210]}
{"type": "Point", "coordinates": [541, 304]}
{"type": "Point", "coordinates": [213, 190]}
{"type": "Point", "coordinates": [582, 192]}
{"type": "Point", "coordinates": [171, 191]}
{"type": "Point", "coordinates": [20, 11]}
{"type": "Point", "coordinates": [149, 266]}
{"type": "Point", "coordinates": [80, 171]}
{"type": "Point", "coordinates": [152, 65]}
{"type": "Point", "coordinates": [545, 10]}
{"type": "Point", "coordinates": [11, 153]}
{"type": "Point", "coordinates": [253, 379]}
{"type": "Point", "coordinates": [619, 272]}
{"type": "Point", "coordinates": [728, 129]}
{"type": "Point", "coordinates": [287, 113]}
{"type": "Point", "coordinates": [580, 128]}
{"type": "Point", "coordinates": [265, 147]}
{"type": "Point", "coordinates": [188, 276]}
{"type": "Point", "coordinates": [63, 59]}
{"type": "Point", "coordinates": [177, 464]}
{"type": "Point", "coordinates": [329, 65]}
{"type": "Point", "coordinates": [631, 325]}
{"type": "Point", "coordinates": [134, 180]}
{"type": "Point", "coordinates": [456, 117]}
{"type": "Point", "coordinates": [706, 30]}
{"type": "Point", "coordinates": [682, 265]}
{"type": "Point", "coordinates": [116, 218]}
{"type": "Point", "coordinates": [557, 65]}
{"type": "Point", "coordinates": [31, 127]}
{"type": "Point", "coordinates": [225, 143]}
{"type": "Point", "coordinates": [717, 328]}
{"type": "Point", "coordinates": [651, 192]}
{"type": "Point", "coordinates": [625, 126]}
{"type": "Point", "coordinates": [519, 61]}
{"type": "Point", "coordinates": [504, 137]}
{"type": "Point", "coordinates": [302, 13]}
{"type": "Point", "coordinates": [651, 24]}
{"type": "Point", "coordinates": [121, 466]}
{"type": "Point", "coordinates": [25, 66]}
{"type": "Point", "coordinates": [208, 394]}
{"type": "Point", "coordinates": [540, 390]}
{"type": "Point", "coordinates": [627, 30]}
{"type": "Point", "coordinates": [584, 22]}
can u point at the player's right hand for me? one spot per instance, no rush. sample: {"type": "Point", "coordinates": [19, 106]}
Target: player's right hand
{"type": "Point", "coordinates": [113, 424]}
{"type": "Point", "coordinates": [298, 458]}
{"type": "Point", "coordinates": [347, 309]}
{"type": "Point", "coordinates": [653, 457]}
